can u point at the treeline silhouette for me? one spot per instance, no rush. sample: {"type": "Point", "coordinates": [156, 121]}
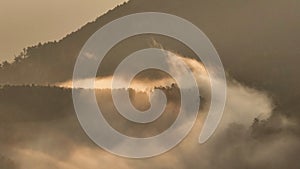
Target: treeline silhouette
{"type": "Point", "coordinates": [266, 60]}
{"type": "Point", "coordinates": [240, 46]}
{"type": "Point", "coordinates": [36, 102]}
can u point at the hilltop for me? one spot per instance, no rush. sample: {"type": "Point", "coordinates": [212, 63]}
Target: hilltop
{"type": "Point", "coordinates": [254, 47]}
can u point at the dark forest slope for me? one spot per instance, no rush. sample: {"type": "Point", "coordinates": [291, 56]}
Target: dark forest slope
{"type": "Point", "coordinates": [258, 42]}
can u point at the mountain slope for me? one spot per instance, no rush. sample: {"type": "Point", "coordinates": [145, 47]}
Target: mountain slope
{"type": "Point", "coordinates": [257, 42]}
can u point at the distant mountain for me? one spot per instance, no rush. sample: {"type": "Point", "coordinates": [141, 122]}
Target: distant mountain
{"type": "Point", "coordinates": [258, 42]}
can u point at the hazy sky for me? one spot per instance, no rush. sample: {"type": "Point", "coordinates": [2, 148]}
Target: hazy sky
{"type": "Point", "coordinates": [27, 22]}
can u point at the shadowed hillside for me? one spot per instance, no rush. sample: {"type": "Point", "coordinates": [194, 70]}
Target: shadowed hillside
{"type": "Point", "coordinates": [258, 43]}
{"type": "Point", "coordinates": [31, 104]}
{"type": "Point", "coordinates": [257, 48]}
{"type": "Point", "coordinates": [39, 128]}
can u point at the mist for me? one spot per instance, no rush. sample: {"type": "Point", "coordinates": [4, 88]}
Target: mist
{"type": "Point", "coordinates": [59, 141]}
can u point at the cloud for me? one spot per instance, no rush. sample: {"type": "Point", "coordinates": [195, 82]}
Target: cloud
{"type": "Point", "coordinates": [271, 141]}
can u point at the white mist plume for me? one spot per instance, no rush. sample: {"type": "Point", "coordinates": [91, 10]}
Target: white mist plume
{"type": "Point", "coordinates": [242, 106]}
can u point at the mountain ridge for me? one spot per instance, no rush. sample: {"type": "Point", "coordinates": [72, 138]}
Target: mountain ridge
{"type": "Point", "coordinates": [266, 39]}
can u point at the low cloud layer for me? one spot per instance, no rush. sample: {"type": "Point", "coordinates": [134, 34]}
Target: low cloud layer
{"type": "Point", "coordinates": [252, 134]}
